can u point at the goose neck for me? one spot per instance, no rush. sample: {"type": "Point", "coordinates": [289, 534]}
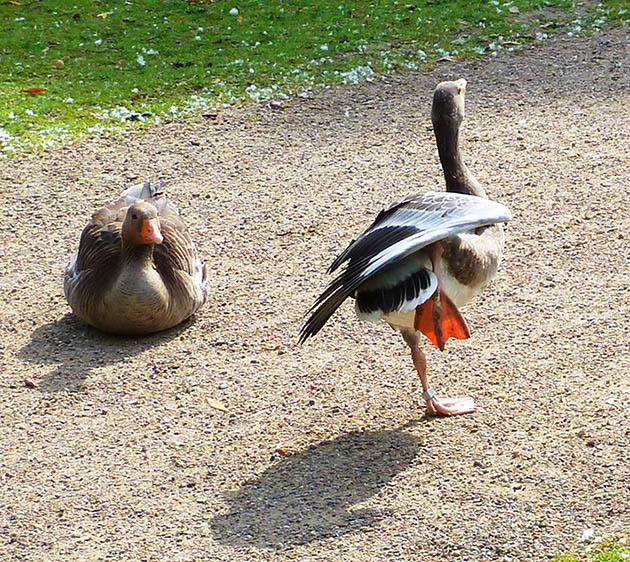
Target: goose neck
{"type": "Point", "coordinates": [456, 174]}
{"type": "Point", "coordinates": [137, 254]}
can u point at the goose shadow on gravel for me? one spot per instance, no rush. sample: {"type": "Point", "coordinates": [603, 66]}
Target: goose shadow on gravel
{"type": "Point", "coordinates": [77, 348]}
{"type": "Point", "coordinates": [310, 495]}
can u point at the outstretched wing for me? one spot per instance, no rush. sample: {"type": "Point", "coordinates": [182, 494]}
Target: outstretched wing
{"type": "Point", "coordinates": [409, 226]}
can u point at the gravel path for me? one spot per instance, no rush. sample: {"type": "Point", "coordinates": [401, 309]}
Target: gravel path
{"type": "Point", "coordinates": [118, 449]}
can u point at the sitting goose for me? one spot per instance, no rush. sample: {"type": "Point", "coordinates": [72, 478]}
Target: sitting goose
{"type": "Point", "coordinates": [424, 257]}
{"type": "Point", "coordinates": [136, 270]}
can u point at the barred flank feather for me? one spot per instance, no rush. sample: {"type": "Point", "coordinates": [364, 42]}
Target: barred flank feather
{"type": "Point", "coordinates": [405, 295]}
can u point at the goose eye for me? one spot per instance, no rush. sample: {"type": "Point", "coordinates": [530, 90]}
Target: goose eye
{"type": "Point", "coordinates": [134, 216]}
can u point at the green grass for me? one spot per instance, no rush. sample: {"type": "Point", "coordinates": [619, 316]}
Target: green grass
{"type": "Point", "coordinates": [610, 550]}
{"type": "Point", "coordinates": [106, 65]}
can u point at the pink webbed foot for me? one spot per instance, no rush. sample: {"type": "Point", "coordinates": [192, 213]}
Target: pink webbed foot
{"type": "Point", "coordinates": [442, 406]}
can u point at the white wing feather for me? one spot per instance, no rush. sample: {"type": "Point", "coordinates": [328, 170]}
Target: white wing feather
{"type": "Point", "coordinates": [467, 212]}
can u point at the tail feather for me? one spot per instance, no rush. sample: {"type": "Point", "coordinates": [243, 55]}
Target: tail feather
{"type": "Point", "coordinates": [339, 289]}
{"type": "Point", "coordinates": [140, 192]}
{"type": "Point", "coordinates": [321, 312]}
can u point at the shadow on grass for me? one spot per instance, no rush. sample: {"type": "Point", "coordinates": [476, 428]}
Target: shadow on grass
{"type": "Point", "coordinates": [78, 348]}
{"type": "Point", "coordinates": [311, 495]}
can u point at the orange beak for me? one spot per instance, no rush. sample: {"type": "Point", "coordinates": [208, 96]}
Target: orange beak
{"type": "Point", "coordinates": [150, 231]}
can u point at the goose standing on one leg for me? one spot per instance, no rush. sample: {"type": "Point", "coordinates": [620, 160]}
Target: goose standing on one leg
{"type": "Point", "coordinates": [424, 257]}
{"type": "Point", "coordinates": [136, 270]}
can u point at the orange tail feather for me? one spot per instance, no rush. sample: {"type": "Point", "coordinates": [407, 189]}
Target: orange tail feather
{"type": "Point", "coordinates": [439, 319]}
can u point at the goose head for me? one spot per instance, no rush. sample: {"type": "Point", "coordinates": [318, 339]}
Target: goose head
{"type": "Point", "coordinates": [448, 104]}
{"type": "Point", "coordinates": [141, 225]}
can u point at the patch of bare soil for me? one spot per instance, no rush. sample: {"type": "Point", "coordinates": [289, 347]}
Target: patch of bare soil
{"type": "Point", "coordinates": [116, 449]}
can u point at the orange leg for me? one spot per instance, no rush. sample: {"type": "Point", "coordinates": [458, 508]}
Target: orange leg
{"type": "Point", "coordinates": [436, 405]}
{"type": "Point", "coordinates": [439, 319]}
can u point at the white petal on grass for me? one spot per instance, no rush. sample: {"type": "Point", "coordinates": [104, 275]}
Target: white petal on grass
{"type": "Point", "coordinates": [96, 130]}
{"type": "Point", "coordinates": [259, 94]}
{"type": "Point", "coordinates": [56, 133]}
{"type": "Point", "coordinates": [196, 103]}
{"type": "Point", "coordinates": [98, 42]}
{"type": "Point", "coordinates": [68, 100]}
{"type": "Point", "coordinates": [119, 113]}
{"type": "Point", "coordinates": [358, 74]}
{"type": "Point", "coordinates": [140, 60]}
{"type": "Point", "coordinates": [234, 12]}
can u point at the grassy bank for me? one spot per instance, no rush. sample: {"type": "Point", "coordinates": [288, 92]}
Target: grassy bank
{"type": "Point", "coordinates": [90, 68]}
